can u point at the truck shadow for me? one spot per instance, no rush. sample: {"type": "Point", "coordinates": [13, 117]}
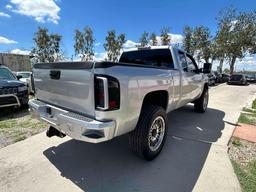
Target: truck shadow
{"type": "Point", "coordinates": [110, 166]}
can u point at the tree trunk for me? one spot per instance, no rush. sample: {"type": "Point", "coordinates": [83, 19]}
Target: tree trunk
{"type": "Point", "coordinates": [221, 64]}
{"type": "Point", "coordinates": [232, 65]}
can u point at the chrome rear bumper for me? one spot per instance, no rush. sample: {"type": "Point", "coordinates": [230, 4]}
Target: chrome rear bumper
{"type": "Point", "coordinates": [72, 124]}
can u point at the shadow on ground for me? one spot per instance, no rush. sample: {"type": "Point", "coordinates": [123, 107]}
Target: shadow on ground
{"type": "Point", "coordinates": [110, 166]}
{"type": "Point", "coordinates": [12, 112]}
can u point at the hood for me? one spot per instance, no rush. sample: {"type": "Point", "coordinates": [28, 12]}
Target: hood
{"type": "Point", "coordinates": [10, 83]}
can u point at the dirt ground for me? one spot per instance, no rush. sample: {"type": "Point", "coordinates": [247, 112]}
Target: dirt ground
{"type": "Point", "coordinates": [16, 125]}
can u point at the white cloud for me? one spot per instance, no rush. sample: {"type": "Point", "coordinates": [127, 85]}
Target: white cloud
{"type": "Point", "coordinates": [8, 6]}
{"type": "Point", "coordinates": [248, 60]}
{"type": "Point", "coordinates": [175, 39]}
{"type": "Point", "coordinates": [97, 44]}
{"type": "Point", "coordinates": [41, 10]}
{"type": "Point", "coordinates": [100, 56]}
{"type": "Point", "coordinates": [20, 52]}
{"type": "Point", "coordinates": [130, 44]}
{"type": "Point", "coordinates": [2, 14]}
{"type": "Point", "coordinates": [4, 40]}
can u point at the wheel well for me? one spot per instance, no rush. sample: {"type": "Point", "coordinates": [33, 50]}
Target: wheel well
{"type": "Point", "coordinates": [159, 98]}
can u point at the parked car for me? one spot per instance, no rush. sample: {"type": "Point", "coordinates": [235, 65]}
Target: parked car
{"type": "Point", "coordinates": [211, 79]}
{"type": "Point", "coordinates": [237, 79]}
{"type": "Point", "coordinates": [225, 77]}
{"type": "Point", "coordinates": [221, 77]}
{"type": "Point", "coordinates": [12, 91]}
{"type": "Point", "coordinates": [218, 77]}
{"type": "Point", "coordinates": [95, 102]}
{"type": "Point", "coordinates": [251, 78]}
{"type": "Point", "coordinates": [26, 78]}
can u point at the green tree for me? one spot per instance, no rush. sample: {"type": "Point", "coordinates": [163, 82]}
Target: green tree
{"type": "Point", "coordinates": [225, 20]}
{"type": "Point", "coordinates": [226, 70]}
{"type": "Point", "coordinates": [114, 45]}
{"type": "Point", "coordinates": [241, 38]}
{"type": "Point", "coordinates": [84, 43]}
{"type": "Point", "coordinates": [144, 40]}
{"type": "Point", "coordinates": [153, 39]}
{"type": "Point", "coordinates": [202, 43]}
{"type": "Point", "coordinates": [47, 46]}
{"type": "Point", "coordinates": [165, 37]}
{"type": "Point", "coordinates": [187, 40]}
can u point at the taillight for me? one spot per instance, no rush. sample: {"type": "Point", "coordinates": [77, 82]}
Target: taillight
{"type": "Point", "coordinates": [107, 93]}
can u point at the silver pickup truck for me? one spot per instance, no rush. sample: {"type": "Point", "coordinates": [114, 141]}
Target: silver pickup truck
{"type": "Point", "coordinates": [97, 101]}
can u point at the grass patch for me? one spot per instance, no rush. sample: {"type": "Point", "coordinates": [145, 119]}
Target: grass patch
{"type": "Point", "coordinates": [246, 176]}
{"type": "Point", "coordinates": [18, 126]}
{"type": "Point", "coordinates": [249, 110]}
{"type": "Point", "coordinates": [254, 104]}
{"type": "Point", "coordinates": [236, 142]}
{"type": "Point", "coordinates": [20, 138]}
{"type": "Point", "coordinates": [247, 119]}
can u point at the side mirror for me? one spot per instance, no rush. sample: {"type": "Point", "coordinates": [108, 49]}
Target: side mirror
{"type": "Point", "coordinates": [18, 77]}
{"type": "Point", "coordinates": [207, 68]}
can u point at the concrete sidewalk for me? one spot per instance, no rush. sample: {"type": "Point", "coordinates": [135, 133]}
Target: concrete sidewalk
{"type": "Point", "coordinates": [194, 157]}
{"type": "Point", "coordinates": [218, 173]}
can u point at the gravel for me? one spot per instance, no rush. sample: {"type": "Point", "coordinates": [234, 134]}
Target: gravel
{"type": "Point", "coordinates": [242, 151]}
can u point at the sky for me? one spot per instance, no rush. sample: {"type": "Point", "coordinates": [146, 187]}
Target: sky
{"type": "Point", "coordinates": [20, 19]}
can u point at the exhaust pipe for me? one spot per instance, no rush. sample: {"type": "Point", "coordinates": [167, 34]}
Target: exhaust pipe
{"type": "Point", "coordinates": [54, 132]}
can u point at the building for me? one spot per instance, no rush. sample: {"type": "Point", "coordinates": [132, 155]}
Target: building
{"type": "Point", "coordinates": [16, 62]}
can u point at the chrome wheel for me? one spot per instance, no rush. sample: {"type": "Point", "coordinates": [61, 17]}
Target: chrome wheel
{"type": "Point", "coordinates": [156, 133]}
{"type": "Point", "coordinates": [206, 99]}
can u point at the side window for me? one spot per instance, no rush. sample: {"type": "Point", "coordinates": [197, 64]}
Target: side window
{"type": "Point", "coordinates": [190, 63]}
{"type": "Point", "coordinates": [182, 60]}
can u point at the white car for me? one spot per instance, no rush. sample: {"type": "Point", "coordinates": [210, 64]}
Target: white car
{"type": "Point", "coordinates": [25, 76]}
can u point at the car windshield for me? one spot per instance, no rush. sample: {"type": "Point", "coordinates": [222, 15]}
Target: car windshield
{"type": "Point", "coordinates": [6, 74]}
{"type": "Point", "coordinates": [151, 57]}
{"type": "Point", "coordinates": [24, 75]}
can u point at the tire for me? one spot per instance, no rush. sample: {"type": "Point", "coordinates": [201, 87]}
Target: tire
{"type": "Point", "coordinates": [140, 141]}
{"type": "Point", "coordinates": [201, 104]}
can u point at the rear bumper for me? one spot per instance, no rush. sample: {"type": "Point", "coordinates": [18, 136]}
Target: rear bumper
{"type": "Point", "coordinates": [76, 126]}
{"type": "Point", "coordinates": [236, 82]}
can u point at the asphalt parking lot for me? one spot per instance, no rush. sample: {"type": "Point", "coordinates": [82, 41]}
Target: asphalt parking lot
{"type": "Point", "coordinates": [192, 159]}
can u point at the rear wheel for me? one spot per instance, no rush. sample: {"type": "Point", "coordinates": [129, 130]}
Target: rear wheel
{"type": "Point", "coordinates": [149, 136]}
{"type": "Point", "coordinates": [201, 104]}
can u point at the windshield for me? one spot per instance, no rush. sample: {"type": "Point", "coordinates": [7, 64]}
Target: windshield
{"type": "Point", "coordinates": [6, 74]}
{"type": "Point", "coordinates": [24, 75]}
{"type": "Point", "coordinates": [151, 57]}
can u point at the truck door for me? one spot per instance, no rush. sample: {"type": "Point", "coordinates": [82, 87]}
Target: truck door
{"type": "Point", "coordinates": [189, 85]}
{"type": "Point", "coordinates": [196, 77]}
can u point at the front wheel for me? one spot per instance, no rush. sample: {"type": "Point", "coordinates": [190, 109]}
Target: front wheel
{"type": "Point", "coordinates": [201, 104]}
{"type": "Point", "coordinates": [148, 138]}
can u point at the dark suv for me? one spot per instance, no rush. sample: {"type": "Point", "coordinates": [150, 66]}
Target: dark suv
{"type": "Point", "coordinates": [12, 91]}
{"type": "Point", "coordinates": [237, 79]}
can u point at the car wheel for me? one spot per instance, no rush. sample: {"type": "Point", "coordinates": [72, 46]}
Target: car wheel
{"type": "Point", "coordinates": [201, 104]}
{"type": "Point", "coordinates": [148, 138]}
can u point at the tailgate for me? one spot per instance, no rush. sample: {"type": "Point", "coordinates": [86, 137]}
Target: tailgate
{"type": "Point", "coordinates": [68, 85]}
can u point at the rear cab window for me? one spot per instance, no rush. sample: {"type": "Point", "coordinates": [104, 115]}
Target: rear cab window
{"type": "Point", "coordinates": [149, 57]}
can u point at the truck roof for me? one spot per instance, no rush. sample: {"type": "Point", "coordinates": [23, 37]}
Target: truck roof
{"type": "Point", "coordinates": [149, 47]}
